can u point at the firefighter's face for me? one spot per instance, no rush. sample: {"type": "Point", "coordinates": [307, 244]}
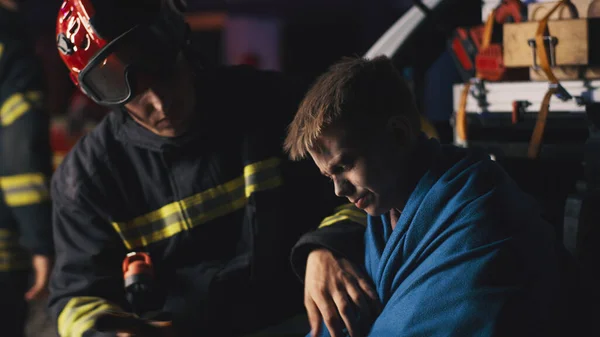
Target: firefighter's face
{"type": "Point", "coordinates": [370, 169]}
{"type": "Point", "coordinates": [164, 105]}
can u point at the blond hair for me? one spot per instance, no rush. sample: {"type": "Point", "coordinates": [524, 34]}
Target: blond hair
{"type": "Point", "coordinates": [353, 90]}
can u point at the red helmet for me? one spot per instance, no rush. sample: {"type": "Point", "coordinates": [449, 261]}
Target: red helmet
{"type": "Point", "coordinates": [105, 42]}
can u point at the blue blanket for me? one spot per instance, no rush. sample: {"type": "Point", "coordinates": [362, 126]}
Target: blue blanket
{"type": "Point", "coordinates": [469, 256]}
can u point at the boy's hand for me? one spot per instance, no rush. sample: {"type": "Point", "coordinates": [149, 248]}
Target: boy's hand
{"type": "Point", "coordinates": [333, 288]}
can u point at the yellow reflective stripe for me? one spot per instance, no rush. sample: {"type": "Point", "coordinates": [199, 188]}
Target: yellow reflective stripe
{"type": "Point", "coordinates": [177, 210]}
{"type": "Point", "coordinates": [1, 49]}
{"type": "Point", "coordinates": [252, 172]}
{"type": "Point", "coordinates": [80, 313]}
{"type": "Point", "coordinates": [213, 193]}
{"type": "Point", "coordinates": [345, 212]}
{"type": "Point", "coordinates": [337, 218]}
{"type": "Point", "coordinates": [261, 166]}
{"type": "Point", "coordinates": [13, 266]}
{"type": "Point", "coordinates": [180, 206]}
{"type": "Point", "coordinates": [17, 181]}
{"type": "Point", "coordinates": [6, 243]}
{"type": "Point", "coordinates": [200, 208]}
{"type": "Point", "coordinates": [147, 239]}
{"type": "Point", "coordinates": [221, 211]}
{"type": "Point", "coordinates": [177, 227]}
{"type": "Point", "coordinates": [57, 159]}
{"type": "Point", "coordinates": [26, 198]}
{"type": "Point", "coordinates": [12, 255]}
{"type": "Point", "coordinates": [16, 259]}
{"type": "Point", "coordinates": [266, 185]}
{"type": "Point", "coordinates": [143, 220]}
{"type": "Point", "coordinates": [17, 104]}
{"type": "Point", "coordinates": [4, 233]}
{"type": "Point", "coordinates": [34, 97]}
{"type": "Point", "coordinates": [24, 189]}
{"type": "Point", "coordinates": [428, 128]}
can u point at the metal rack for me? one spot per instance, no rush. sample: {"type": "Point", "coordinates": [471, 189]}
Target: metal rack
{"type": "Point", "coordinates": [489, 117]}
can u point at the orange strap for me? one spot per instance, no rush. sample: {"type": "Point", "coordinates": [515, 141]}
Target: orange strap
{"type": "Point", "coordinates": [488, 29]}
{"type": "Point", "coordinates": [540, 45]}
{"type": "Point", "coordinates": [538, 131]}
{"type": "Point", "coordinates": [540, 124]}
{"type": "Point", "coordinates": [461, 113]}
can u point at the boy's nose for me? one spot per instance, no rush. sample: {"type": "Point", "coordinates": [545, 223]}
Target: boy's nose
{"type": "Point", "coordinates": [342, 187]}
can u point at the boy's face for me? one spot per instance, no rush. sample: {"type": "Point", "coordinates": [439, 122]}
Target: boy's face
{"type": "Point", "coordinates": [370, 170]}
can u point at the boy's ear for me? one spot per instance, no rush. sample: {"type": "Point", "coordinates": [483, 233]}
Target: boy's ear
{"type": "Point", "coordinates": [401, 129]}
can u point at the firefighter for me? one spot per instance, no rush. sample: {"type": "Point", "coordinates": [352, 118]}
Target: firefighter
{"type": "Point", "coordinates": [25, 168]}
{"type": "Point", "coordinates": [188, 168]}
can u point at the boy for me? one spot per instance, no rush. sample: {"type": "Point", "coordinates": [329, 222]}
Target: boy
{"type": "Point", "coordinates": [453, 246]}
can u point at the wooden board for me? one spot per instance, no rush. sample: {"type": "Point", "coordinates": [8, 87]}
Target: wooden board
{"type": "Point", "coordinates": [573, 48]}
{"type": "Point", "coordinates": [585, 9]}
{"type": "Point", "coordinates": [567, 73]}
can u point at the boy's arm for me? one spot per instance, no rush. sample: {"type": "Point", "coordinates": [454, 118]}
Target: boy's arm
{"type": "Point", "coordinates": [337, 290]}
{"type": "Point", "coordinates": [329, 258]}
{"type": "Point", "coordinates": [341, 233]}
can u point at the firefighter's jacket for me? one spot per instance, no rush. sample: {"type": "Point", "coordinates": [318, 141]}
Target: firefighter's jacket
{"type": "Point", "coordinates": [218, 210]}
{"type": "Point", "coordinates": [25, 155]}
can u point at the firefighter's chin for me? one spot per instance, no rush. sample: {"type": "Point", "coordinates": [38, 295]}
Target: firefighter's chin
{"type": "Point", "coordinates": [170, 128]}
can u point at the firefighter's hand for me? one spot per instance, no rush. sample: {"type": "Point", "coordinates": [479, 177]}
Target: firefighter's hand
{"type": "Point", "coordinates": [337, 293]}
{"type": "Point", "coordinates": [163, 329]}
{"type": "Point", "coordinates": [127, 325]}
{"type": "Point", "coordinates": [42, 266]}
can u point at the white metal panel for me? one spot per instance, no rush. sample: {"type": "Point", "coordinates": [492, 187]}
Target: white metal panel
{"type": "Point", "coordinates": [501, 95]}
{"type": "Point", "coordinates": [400, 31]}
{"type": "Point", "coordinates": [486, 8]}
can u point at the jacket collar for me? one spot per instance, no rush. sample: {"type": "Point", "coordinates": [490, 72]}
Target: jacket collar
{"type": "Point", "coordinates": [217, 113]}
{"type": "Point", "coordinates": [129, 131]}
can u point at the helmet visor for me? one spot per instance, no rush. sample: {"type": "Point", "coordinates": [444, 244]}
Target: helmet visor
{"type": "Point", "coordinates": [107, 81]}
{"type": "Point", "coordinates": [109, 78]}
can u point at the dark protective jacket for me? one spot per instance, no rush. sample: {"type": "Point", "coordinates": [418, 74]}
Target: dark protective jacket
{"type": "Point", "coordinates": [25, 155]}
{"type": "Point", "coordinates": [217, 209]}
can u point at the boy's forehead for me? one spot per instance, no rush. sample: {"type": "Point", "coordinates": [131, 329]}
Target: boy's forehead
{"type": "Point", "coordinates": [320, 147]}
{"type": "Point", "coordinates": [334, 141]}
